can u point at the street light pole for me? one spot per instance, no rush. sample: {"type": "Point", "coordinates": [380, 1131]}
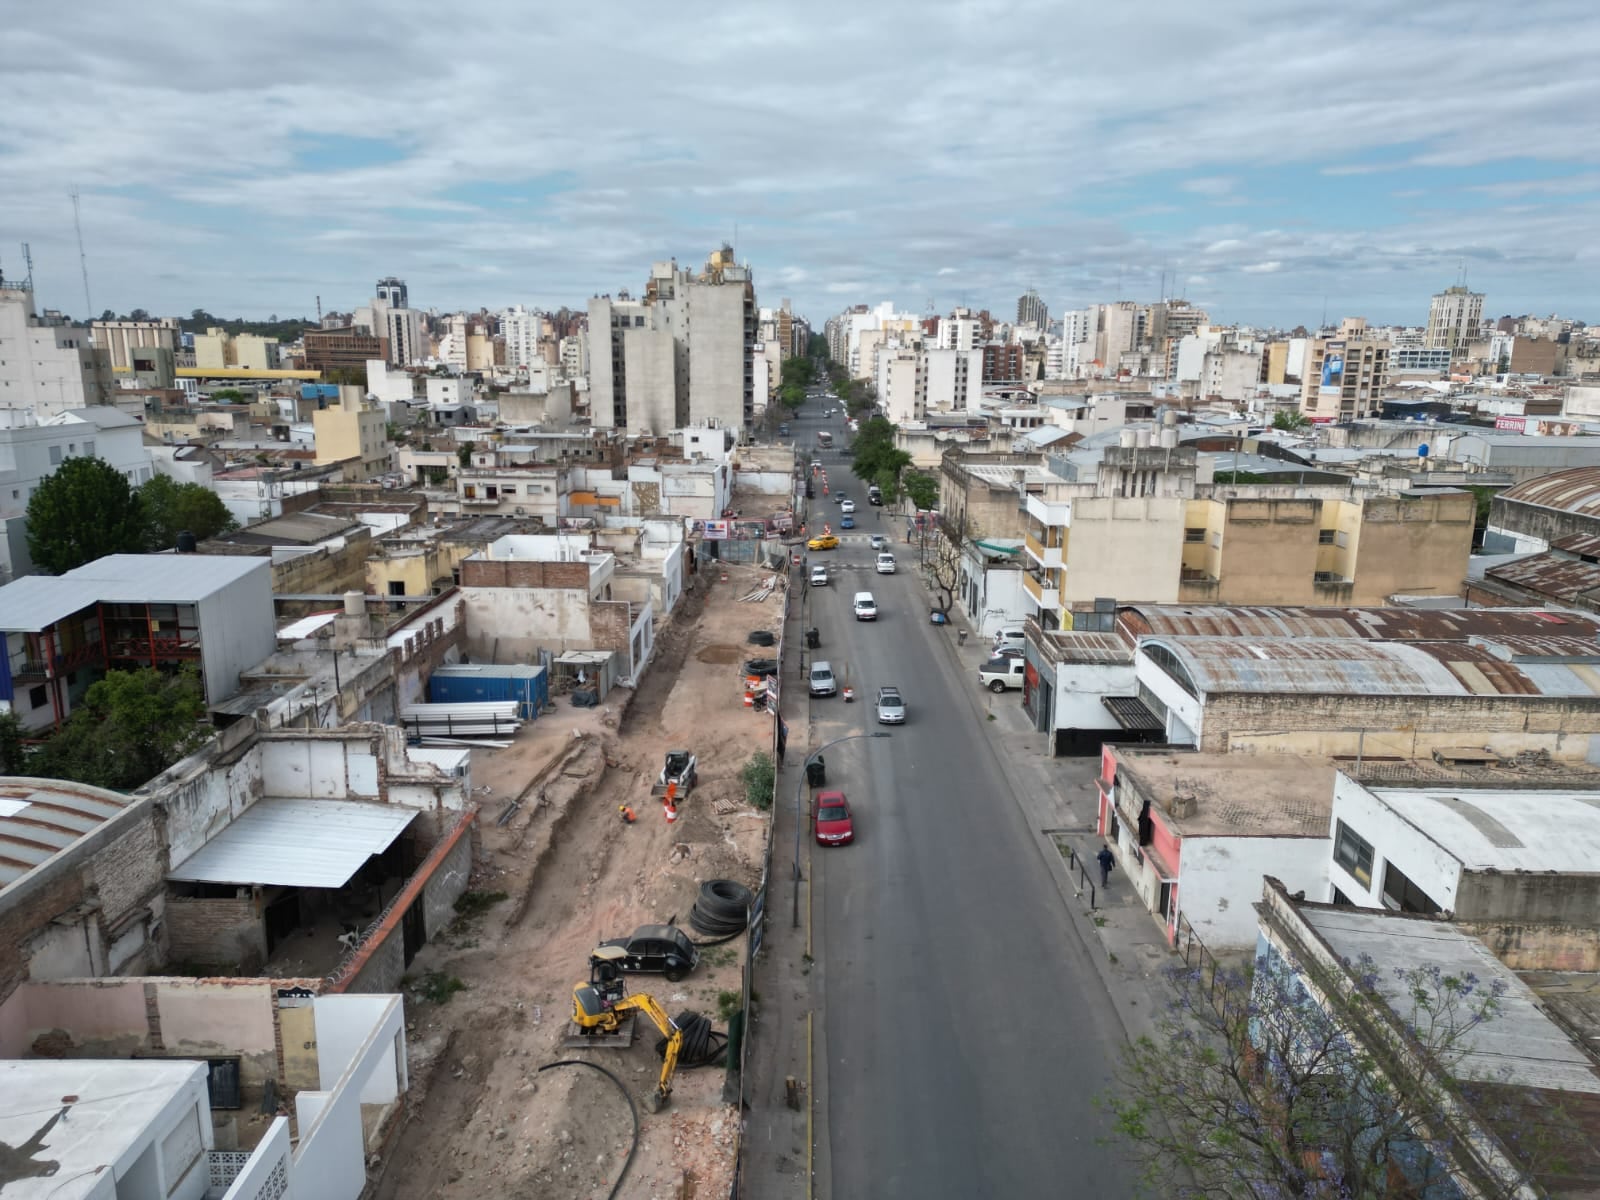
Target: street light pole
{"type": "Point", "coordinates": [800, 791]}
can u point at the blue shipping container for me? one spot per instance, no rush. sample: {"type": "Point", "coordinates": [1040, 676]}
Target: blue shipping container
{"type": "Point", "coordinates": [471, 683]}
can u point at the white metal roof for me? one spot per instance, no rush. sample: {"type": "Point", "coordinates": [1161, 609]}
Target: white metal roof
{"type": "Point", "coordinates": [296, 843]}
{"type": "Point", "coordinates": [306, 626]}
{"type": "Point", "coordinates": [36, 601]}
{"type": "Point", "coordinates": [40, 818]}
{"type": "Point", "coordinates": [1483, 829]}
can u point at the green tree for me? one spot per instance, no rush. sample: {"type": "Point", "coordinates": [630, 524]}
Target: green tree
{"type": "Point", "coordinates": [1291, 419]}
{"type": "Point", "coordinates": [131, 726]}
{"type": "Point", "coordinates": [1252, 1088]}
{"type": "Point", "coordinates": [84, 511]}
{"type": "Point", "coordinates": [13, 753]}
{"type": "Point", "coordinates": [171, 507]}
{"type": "Point", "coordinates": [464, 453]}
{"type": "Point", "coordinates": [922, 489]}
{"type": "Point", "coordinates": [228, 396]}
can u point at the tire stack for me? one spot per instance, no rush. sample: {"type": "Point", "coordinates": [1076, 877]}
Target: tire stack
{"type": "Point", "coordinates": [722, 909]}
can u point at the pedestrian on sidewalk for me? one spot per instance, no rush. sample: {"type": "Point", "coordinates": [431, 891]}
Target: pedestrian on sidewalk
{"type": "Point", "coordinates": [1106, 860]}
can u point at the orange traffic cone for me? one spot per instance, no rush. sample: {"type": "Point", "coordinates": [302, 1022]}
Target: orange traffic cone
{"type": "Point", "coordinates": [671, 811]}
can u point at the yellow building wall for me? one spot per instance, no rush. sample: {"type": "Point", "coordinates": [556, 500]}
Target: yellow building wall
{"type": "Point", "coordinates": [1277, 361]}
{"type": "Point", "coordinates": [213, 348]}
{"type": "Point", "coordinates": [298, 1029]}
{"type": "Point", "coordinates": [1269, 551]}
{"type": "Point", "coordinates": [1412, 545]}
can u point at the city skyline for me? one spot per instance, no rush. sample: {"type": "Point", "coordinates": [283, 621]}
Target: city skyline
{"type": "Point", "coordinates": [1272, 167]}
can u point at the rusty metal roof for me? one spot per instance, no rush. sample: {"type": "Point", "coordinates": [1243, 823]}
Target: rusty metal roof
{"type": "Point", "coordinates": [1349, 667]}
{"type": "Point", "coordinates": [39, 818]}
{"type": "Point", "coordinates": [1578, 543]}
{"type": "Point", "coordinates": [1066, 646]}
{"type": "Point", "coordinates": [1531, 648]}
{"type": "Point", "coordinates": [1576, 491]}
{"type": "Point", "coordinates": [1552, 575]}
{"type": "Point", "coordinates": [1367, 624]}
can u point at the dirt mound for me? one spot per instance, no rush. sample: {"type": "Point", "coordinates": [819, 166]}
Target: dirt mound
{"type": "Point", "coordinates": [721, 654]}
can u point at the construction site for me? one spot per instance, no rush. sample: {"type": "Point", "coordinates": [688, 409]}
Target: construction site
{"type": "Point", "coordinates": [589, 831]}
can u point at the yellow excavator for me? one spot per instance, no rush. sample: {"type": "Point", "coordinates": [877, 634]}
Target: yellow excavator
{"type": "Point", "coordinates": [599, 1006]}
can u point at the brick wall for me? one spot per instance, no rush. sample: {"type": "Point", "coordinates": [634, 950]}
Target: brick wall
{"type": "Point", "coordinates": [609, 624]}
{"type": "Point", "coordinates": [445, 886]}
{"type": "Point", "coordinates": [383, 968]}
{"type": "Point", "coordinates": [492, 573]}
{"type": "Point", "coordinates": [216, 932]}
{"type": "Point", "coordinates": [22, 918]}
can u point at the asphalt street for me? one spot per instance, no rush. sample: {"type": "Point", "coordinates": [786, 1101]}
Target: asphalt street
{"type": "Point", "coordinates": [964, 1030]}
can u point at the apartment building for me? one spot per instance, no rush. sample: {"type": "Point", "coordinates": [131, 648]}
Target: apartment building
{"type": "Point", "coordinates": [1145, 524]}
{"type": "Point", "coordinates": [1003, 363]}
{"type": "Point", "coordinates": [683, 354]}
{"type": "Point", "coordinates": [45, 365]}
{"type": "Point", "coordinates": [1454, 317]}
{"type": "Point", "coordinates": [1031, 310]}
{"type": "Point", "coordinates": [354, 433]}
{"type": "Point", "coordinates": [344, 349]}
{"type": "Point", "coordinates": [1345, 375]}
{"type": "Point", "coordinates": [121, 338]}
{"type": "Point", "coordinates": [902, 384]}
{"type": "Point", "coordinates": [953, 379]}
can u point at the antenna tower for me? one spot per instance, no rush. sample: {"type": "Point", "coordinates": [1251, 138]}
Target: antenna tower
{"type": "Point", "coordinates": [83, 259]}
{"type": "Point", "coordinates": [27, 261]}
{"type": "Point", "coordinates": [319, 310]}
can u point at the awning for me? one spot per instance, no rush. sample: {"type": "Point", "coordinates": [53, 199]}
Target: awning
{"type": "Point", "coordinates": [1130, 713]}
{"type": "Point", "coordinates": [296, 843]}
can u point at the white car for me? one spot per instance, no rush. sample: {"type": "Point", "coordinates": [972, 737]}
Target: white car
{"type": "Point", "coordinates": [847, 506]}
{"type": "Point", "coordinates": [866, 608]}
{"type": "Point", "coordinates": [819, 576]}
{"type": "Point", "coordinates": [822, 680]}
{"type": "Point", "coordinates": [885, 564]}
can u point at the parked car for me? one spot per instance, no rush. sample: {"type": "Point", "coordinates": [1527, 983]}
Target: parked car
{"type": "Point", "coordinates": [783, 430]}
{"type": "Point", "coordinates": [879, 541]}
{"type": "Point", "coordinates": [824, 541]}
{"type": "Point", "coordinates": [1001, 674]}
{"type": "Point", "coordinates": [891, 708]}
{"type": "Point", "coordinates": [865, 607]}
{"type": "Point", "coordinates": [1009, 636]}
{"type": "Point", "coordinates": [847, 522]}
{"type": "Point", "coordinates": [819, 576]}
{"type": "Point", "coordinates": [822, 681]}
{"type": "Point", "coordinates": [834, 825]}
{"type": "Point", "coordinates": [653, 949]}
{"type": "Point", "coordinates": [886, 564]}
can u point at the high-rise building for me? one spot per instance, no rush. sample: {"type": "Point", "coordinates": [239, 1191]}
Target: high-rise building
{"type": "Point", "coordinates": [958, 331]}
{"type": "Point", "coordinates": [521, 331]}
{"type": "Point", "coordinates": [1345, 375]}
{"type": "Point", "coordinates": [1453, 319]}
{"type": "Point", "coordinates": [682, 355]}
{"type": "Point", "coordinates": [392, 292]}
{"type": "Point", "coordinates": [121, 338]}
{"type": "Point", "coordinates": [1003, 363]}
{"type": "Point", "coordinates": [953, 379]}
{"type": "Point", "coordinates": [1031, 310]}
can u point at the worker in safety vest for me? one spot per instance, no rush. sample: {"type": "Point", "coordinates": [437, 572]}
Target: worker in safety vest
{"type": "Point", "coordinates": [627, 814]}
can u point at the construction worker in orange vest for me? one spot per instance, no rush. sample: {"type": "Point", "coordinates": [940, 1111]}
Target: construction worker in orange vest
{"type": "Point", "coordinates": [627, 814]}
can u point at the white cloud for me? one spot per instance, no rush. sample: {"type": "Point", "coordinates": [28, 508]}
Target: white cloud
{"type": "Point", "coordinates": [203, 196]}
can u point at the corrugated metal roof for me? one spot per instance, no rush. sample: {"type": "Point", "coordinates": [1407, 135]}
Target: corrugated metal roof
{"type": "Point", "coordinates": [1088, 647]}
{"type": "Point", "coordinates": [1367, 624]}
{"type": "Point", "coordinates": [1532, 648]}
{"type": "Point", "coordinates": [1576, 490]}
{"type": "Point", "coordinates": [296, 843]}
{"type": "Point", "coordinates": [34, 602]}
{"type": "Point", "coordinates": [38, 818]}
{"type": "Point", "coordinates": [1551, 575]}
{"type": "Point", "coordinates": [1578, 543]}
{"type": "Point", "coordinates": [1321, 666]}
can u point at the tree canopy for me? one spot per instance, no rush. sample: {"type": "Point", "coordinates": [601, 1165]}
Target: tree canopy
{"type": "Point", "coordinates": [131, 726]}
{"type": "Point", "coordinates": [922, 489]}
{"type": "Point", "coordinates": [171, 507]}
{"type": "Point", "coordinates": [1250, 1087]}
{"type": "Point", "coordinates": [876, 459]}
{"type": "Point", "coordinates": [84, 511]}
{"type": "Point", "coordinates": [1290, 419]}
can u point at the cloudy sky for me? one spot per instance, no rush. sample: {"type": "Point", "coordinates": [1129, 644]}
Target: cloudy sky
{"type": "Point", "coordinates": [1271, 160]}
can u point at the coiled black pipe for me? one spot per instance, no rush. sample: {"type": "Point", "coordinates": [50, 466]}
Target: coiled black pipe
{"type": "Point", "coordinates": [722, 908]}
{"type": "Point", "coordinates": [632, 1109]}
{"type": "Point", "coordinates": [702, 1045]}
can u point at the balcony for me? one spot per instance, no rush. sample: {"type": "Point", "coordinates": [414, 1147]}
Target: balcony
{"type": "Point", "coordinates": [1047, 513]}
{"type": "Point", "coordinates": [1048, 557]}
{"type": "Point", "coordinates": [1045, 595]}
{"type": "Point", "coordinates": [480, 500]}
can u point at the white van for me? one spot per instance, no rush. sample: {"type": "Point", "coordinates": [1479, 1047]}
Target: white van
{"type": "Point", "coordinates": [866, 608]}
{"type": "Point", "coordinates": [885, 564]}
{"type": "Point", "coordinates": [1001, 674]}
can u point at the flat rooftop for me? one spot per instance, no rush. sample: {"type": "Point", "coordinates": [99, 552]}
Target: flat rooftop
{"type": "Point", "coordinates": [1237, 795]}
{"type": "Point", "coordinates": [1547, 831]}
{"type": "Point", "coordinates": [84, 1116]}
{"type": "Point", "coordinates": [1520, 1045]}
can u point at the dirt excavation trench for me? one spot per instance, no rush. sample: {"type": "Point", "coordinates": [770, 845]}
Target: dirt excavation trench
{"type": "Point", "coordinates": [488, 1003]}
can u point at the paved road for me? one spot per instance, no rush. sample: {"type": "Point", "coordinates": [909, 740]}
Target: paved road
{"type": "Point", "coordinates": [964, 1029]}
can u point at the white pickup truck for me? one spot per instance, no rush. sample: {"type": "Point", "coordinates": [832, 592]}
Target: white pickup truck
{"type": "Point", "coordinates": [1001, 674]}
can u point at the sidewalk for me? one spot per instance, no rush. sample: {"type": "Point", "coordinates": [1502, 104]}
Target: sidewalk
{"type": "Point", "coordinates": [1060, 799]}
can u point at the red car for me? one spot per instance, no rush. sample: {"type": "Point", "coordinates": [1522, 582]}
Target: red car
{"type": "Point", "coordinates": [834, 826]}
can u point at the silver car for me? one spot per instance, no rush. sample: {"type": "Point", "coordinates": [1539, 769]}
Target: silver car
{"type": "Point", "coordinates": [891, 708]}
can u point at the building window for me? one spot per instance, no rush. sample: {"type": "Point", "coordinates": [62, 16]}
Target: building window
{"type": "Point", "coordinates": [1402, 894]}
{"type": "Point", "coordinates": [38, 697]}
{"type": "Point", "coordinates": [1194, 535]}
{"type": "Point", "coordinates": [1354, 853]}
{"type": "Point", "coordinates": [1324, 537]}
{"type": "Point", "coordinates": [88, 449]}
{"type": "Point", "coordinates": [55, 456]}
{"type": "Point", "coordinates": [397, 587]}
